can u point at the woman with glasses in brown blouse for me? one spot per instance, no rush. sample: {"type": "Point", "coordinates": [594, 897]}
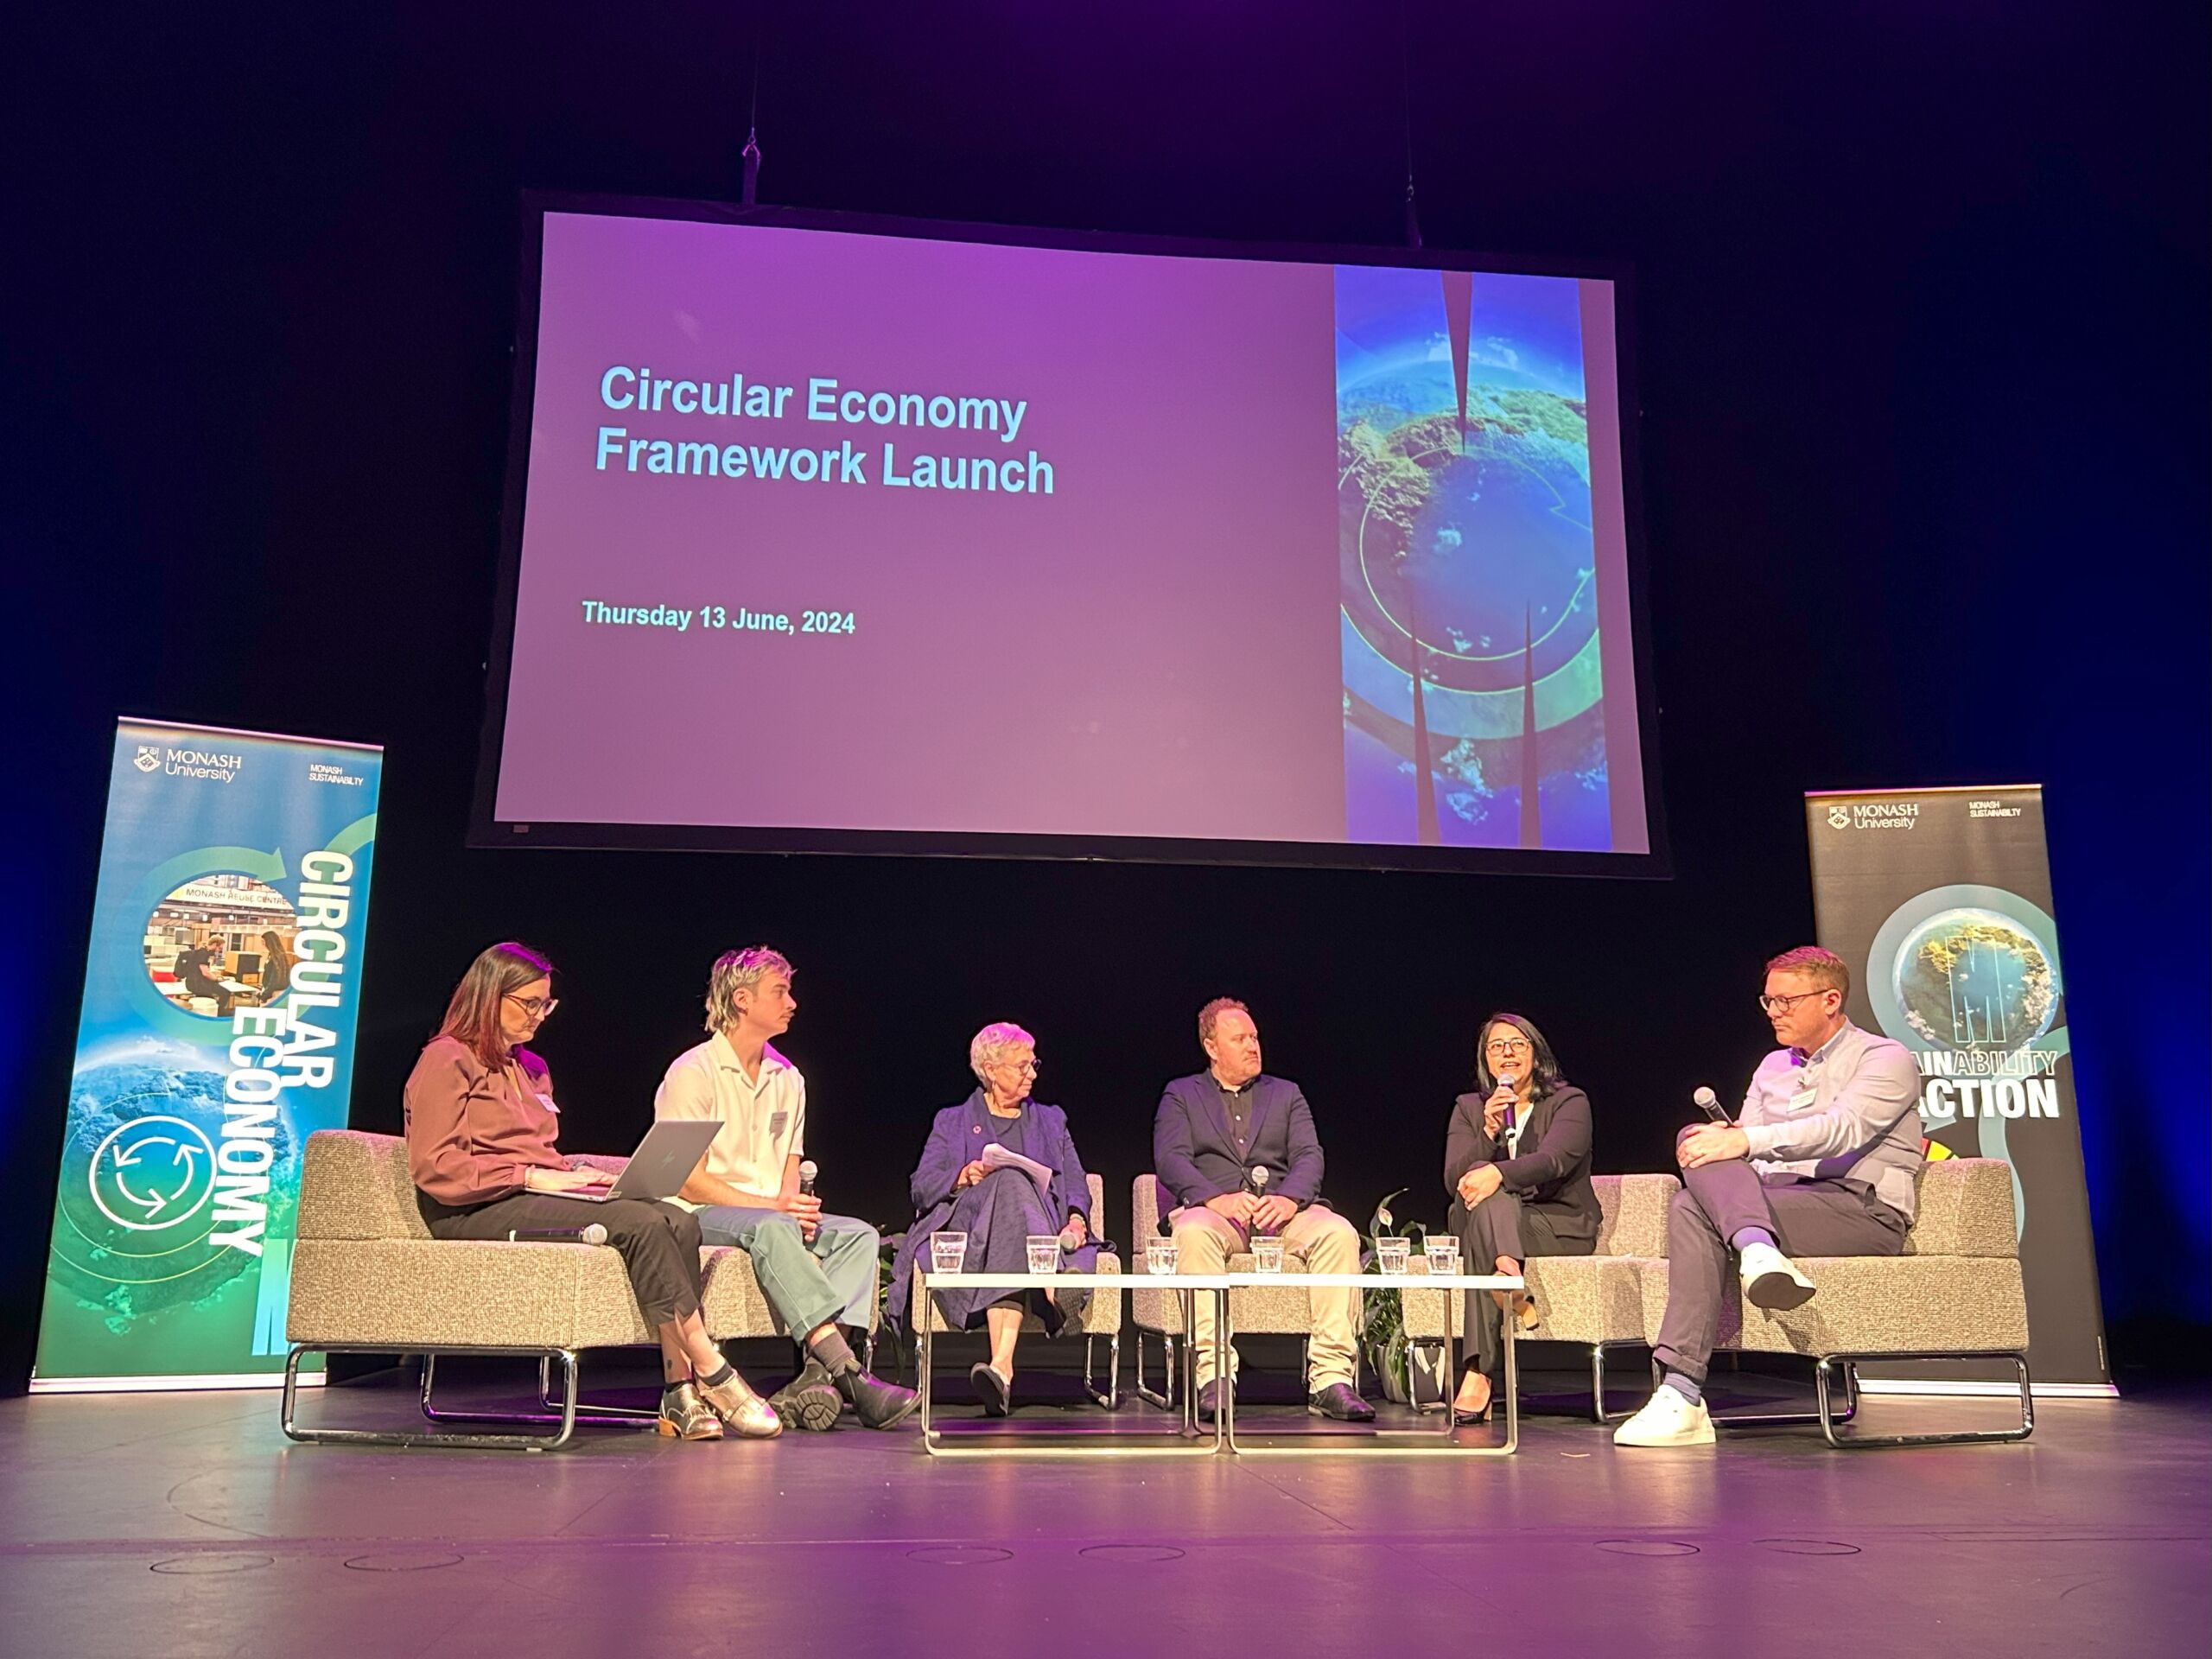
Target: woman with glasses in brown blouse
{"type": "Point", "coordinates": [481, 1127]}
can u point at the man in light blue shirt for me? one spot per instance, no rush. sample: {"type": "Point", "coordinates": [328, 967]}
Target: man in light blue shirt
{"type": "Point", "coordinates": [1821, 1162]}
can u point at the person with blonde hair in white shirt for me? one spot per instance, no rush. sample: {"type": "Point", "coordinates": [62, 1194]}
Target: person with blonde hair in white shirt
{"type": "Point", "coordinates": [817, 1271]}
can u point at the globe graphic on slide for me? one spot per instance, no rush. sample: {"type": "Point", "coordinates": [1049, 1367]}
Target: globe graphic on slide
{"type": "Point", "coordinates": [1501, 557]}
{"type": "Point", "coordinates": [1495, 527]}
{"type": "Point", "coordinates": [1976, 979]}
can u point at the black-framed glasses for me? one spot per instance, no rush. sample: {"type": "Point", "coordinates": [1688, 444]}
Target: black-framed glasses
{"type": "Point", "coordinates": [535, 1008]}
{"type": "Point", "coordinates": [1509, 1045]}
{"type": "Point", "coordinates": [1777, 1004]}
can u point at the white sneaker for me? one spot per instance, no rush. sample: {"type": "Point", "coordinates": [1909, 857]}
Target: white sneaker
{"type": "Point", "coordinates": [1667, 1420]}
{"type": "Point", "coordinates": [1771, 1280]}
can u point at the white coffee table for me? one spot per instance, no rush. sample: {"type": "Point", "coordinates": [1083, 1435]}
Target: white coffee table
{"type": "Point", "coordinates": [1379, 1442]}
{"type": "Point", "coordinates": [1187, 1442]}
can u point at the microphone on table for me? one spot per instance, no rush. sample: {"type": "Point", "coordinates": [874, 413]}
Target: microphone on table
{"type": "Point", "coordinates": [1705, 1102]}
{"type": "Point", "coordinates": [807, 1172]}
{"type": "Point", "coordinates": [594, 1233]}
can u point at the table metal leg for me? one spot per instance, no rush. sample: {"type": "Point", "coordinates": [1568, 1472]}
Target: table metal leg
{"type": "Point", "coordinates": [1381, 1442]}
{"type": "Point", "coordinates": [937, 1443]}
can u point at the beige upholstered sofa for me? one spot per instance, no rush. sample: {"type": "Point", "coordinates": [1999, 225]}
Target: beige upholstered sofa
{"type": "Point", "coordinates": [1102, 1316]}
{"type": "Point", "coordinates": [368, 1278]}
{"type": "Point", "coordinates": [1956, 1293]}
{"type": "Point", "coordinates": [1595, 1300]}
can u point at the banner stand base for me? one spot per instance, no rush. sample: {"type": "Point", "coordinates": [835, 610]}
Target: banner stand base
{"type": "Point", "coordinates": [162, 1384]}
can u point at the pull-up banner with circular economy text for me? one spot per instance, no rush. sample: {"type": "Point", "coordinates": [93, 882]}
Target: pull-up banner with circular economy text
{"type": "Point", "coordinates": [216, 1035]}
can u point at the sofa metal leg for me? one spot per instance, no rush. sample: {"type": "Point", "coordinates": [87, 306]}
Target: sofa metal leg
{"type": "Point", "coordinates": [550, 1408]}
{"type": "Point", "coordinates": [1164, 1396]}
{"type": "Point", "coordinates": [1111, 1398]}
{"type": "Point", "coordinates": [1598, 1411]}
{"type": "Point", "coordinates": [562, 1421]}
{"type": "Point", "coordinates": [1822, 1414]}
{"type": "Point", "coordinates": [1848, 1365]}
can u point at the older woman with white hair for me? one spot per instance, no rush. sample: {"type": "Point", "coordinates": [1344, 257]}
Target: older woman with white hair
{"type": "Point", "coordinates": [1000, 1209]}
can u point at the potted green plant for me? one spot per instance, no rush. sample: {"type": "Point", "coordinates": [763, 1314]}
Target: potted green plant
{"type": "Point", "coordinates": [1381, 1316]}
{"type": "Point", "coordinates": [1407, 1377]}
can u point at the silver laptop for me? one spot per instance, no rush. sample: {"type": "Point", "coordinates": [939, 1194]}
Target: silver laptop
{"type": "Point", "coordinates": [662, 1163]}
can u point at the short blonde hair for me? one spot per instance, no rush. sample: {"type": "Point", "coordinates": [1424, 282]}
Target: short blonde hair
{"type": "Point", "coordinates": [1211, 1014]}
{"type": "Point", "coordinates": [994, 1043]}
{"type": "Point", "coordinates": [735, 971]}
{"type": "Point", "coordinates": [1824, 968]}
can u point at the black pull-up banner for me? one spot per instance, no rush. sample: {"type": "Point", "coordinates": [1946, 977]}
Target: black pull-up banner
{"type": "Point", "coordinates": [1940, 901]}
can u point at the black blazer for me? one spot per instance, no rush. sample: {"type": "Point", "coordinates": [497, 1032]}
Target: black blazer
{"type": "Point", "coordinates": [1553, 1171]}
{"type": "Point", "coordinates": [1194, 1152]}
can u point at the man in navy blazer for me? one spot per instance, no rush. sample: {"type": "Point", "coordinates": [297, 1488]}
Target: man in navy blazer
{"type": "Point", "coordinates": [1214, 1133]}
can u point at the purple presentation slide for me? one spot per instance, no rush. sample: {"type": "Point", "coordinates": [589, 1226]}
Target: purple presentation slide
{"type": "Point", "coordinates": [831, 531]}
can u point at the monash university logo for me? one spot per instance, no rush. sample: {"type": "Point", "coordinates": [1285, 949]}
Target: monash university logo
{"type": "Point", "coordinates": [1875, 815]}
{"type": "Point", "coordinates": [219, 766]}
{"type": "Point", "coordinates": [149, 758]}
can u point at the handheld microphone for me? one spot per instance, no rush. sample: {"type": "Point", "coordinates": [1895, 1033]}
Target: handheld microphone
{"type": "Point", "coordinates": [592, 1234]}
{"type": "Point", "coordinates": [1071, 1241]}
{"type": "Point", "coordinates": [1257, 1180]}
{"type": "Point", "coordinates": [1705, 1102]}
{"type": "Point", "coordinates": [1512, 1085]}
{"type": "Point", "coordinates": [807, 1172]}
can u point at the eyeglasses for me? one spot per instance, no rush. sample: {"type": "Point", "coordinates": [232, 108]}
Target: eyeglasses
{"type": "Point", "coordinates": [1778, 1004]}
{"type": "Point", "coordinates": [534, 1007]}
{"type": "Point", "coordinates": [1028, 1066]}
{"type": "Point", "coordinates": [1508, 1045]}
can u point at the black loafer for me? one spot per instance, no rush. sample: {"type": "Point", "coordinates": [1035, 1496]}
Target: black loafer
{"type": "Point", "coordinates": [994, 1391]}
{"type": "Point", "coordinates": [1337, 1401]}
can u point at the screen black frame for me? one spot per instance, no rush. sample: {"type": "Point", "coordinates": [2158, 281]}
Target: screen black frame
{"type": "Point", "coordinates": [486, 829]}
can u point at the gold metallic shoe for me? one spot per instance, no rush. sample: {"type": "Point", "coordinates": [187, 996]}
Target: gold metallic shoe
{"type": "Point", "coordinates": [748, 1415]}
{"type": "Point", "coordinates": [684, 1416]}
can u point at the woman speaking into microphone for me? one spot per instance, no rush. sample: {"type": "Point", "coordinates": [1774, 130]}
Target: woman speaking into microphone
{"type": "Point", "coordinates": [1516, 1162]}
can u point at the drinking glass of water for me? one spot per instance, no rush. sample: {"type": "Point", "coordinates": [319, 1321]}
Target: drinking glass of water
{"type": "Point", "coordinates": [1266, 1255]}
{"type": "Point", "coordinates": [947, 1251]}
{"type": "Point", "coordinates": [1044, 1252]}
{"type": "Point", "coordinates": [1160, 1255]}
{"type": "Point", "coordinates": [1391, 1254]}
{"type": "Point", "coordinates": [1443, 1256]}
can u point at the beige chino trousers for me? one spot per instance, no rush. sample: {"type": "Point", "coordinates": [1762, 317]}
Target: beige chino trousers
{"type": "Point", "coordinates": [1317, 1240]}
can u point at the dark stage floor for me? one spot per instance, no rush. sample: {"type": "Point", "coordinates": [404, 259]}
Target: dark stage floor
{"type": "Point", "coordinates": [185, 1524]}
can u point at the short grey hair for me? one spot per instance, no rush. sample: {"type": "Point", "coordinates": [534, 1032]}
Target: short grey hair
{"type": "Point", "coordinates": [993, 1044]}
{"type": "Point", "coordinates": [735, 971]}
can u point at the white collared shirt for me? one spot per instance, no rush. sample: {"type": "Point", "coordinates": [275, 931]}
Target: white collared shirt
{"type": "Point", "coordinates": [763, 1119]}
